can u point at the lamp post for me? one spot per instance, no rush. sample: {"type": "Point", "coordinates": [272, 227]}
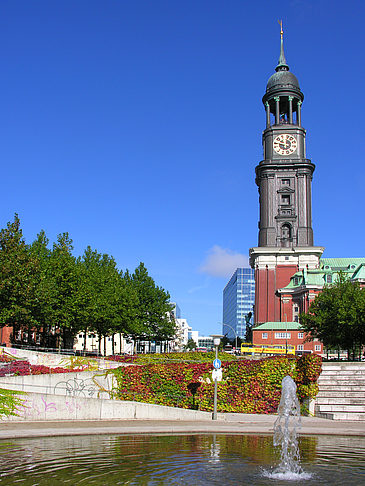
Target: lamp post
{"type": "Point", "coordinates": [286, 334]}
{"type": "Point", "coordinates": [224, 324]}
{"type": "Point", "coordinates": [216, 342]}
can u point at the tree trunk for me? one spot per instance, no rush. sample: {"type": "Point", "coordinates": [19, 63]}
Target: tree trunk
{"type": "Point", "coordinates": [104, 345]}
{"type": "Point", "coordinates": [113, 344]}
{"type": "Point", "coordinates": [68, 338]}
{"type": "Point", "coordinates": [85, 335]}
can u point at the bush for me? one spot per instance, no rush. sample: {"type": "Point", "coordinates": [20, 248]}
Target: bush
{"type": "Point", "coordinates": [247, 386]}
{"type": "Point", "coordinates": [23, 367]}
{"type": "Point", "coordinates": [188, 357]}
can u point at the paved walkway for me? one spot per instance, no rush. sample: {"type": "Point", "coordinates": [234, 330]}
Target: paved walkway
{"type": "Point", "coordinates": [232, 424]}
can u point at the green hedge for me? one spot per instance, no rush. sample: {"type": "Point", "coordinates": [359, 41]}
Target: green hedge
{"type": "Point", "coordinates": [248, 386]}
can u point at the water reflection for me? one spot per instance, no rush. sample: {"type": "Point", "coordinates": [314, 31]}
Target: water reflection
{"type": "Point", "coordinates": [174, 460]}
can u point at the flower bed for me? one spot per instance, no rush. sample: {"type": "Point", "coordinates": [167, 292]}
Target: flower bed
{"type": "Point", "coordinates": [248, 386]}
{"type": "Point", "coordinates": [23, 367]}
{"type": "Point", "coordinates": [189, 357]}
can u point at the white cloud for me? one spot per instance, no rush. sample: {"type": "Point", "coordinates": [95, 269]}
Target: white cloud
{"type": "Point", "coordinates": [222, 262]}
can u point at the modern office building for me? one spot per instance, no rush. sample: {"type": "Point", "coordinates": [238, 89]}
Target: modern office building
{"type": "Point", "coordinates": [238, 302]}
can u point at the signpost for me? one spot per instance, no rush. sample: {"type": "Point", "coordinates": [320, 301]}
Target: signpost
{"type": "Point", "coordinates": [217, 363]}
{"type": "Point", "coordinates": [217, 375]}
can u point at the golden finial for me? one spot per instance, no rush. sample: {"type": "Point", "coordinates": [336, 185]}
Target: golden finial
{"type": "Point", "coordinates": [281, 28]}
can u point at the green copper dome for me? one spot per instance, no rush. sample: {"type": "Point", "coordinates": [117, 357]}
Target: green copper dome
{"type": "Point", "coordinates": [282, 79]}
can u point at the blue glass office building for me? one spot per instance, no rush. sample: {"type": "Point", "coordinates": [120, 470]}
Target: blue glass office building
{"type": "Point", "coordinates": [238, 301]}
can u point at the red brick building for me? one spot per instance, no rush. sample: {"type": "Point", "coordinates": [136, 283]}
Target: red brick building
{"type": "Point", "coordinates": [282, 334]}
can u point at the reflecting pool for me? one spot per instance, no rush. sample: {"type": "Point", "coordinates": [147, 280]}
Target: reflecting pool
{"type": "Point", "coordinates": [176, 460]}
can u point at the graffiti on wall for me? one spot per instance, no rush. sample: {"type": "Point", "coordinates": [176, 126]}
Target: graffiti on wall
{"type": "Point", "coordinates": [76, 387]}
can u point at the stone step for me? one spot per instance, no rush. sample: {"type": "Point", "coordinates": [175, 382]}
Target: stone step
{"type": "Point", "coordinates": [335, 393]}
{"type": "Point", "coordinates": [340, 408]}
{"type": "Point", "coordinates": [343, 372]}
{"type": "Point", "coordinates": [340, 401]}
{"type": "Point", "coordinates": [341, 416]}
{"type": "Point", "coordinates": [340, 380]}
{"type": "Point", "coordinates": [343, 366]}
{"type": "Point", "coordinates": [343, 389]}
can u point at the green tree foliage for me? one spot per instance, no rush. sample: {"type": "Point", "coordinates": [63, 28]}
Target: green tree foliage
{"type": "Point", "coordinates": [57, 295]}
{"type": "Point", "coordinates": [46, 289]}
{"type": "Point", "coordinates": [65, 275]}
{"type": "Point", "coordinates": [17, 278]}
{"type": "Point", "coordinates": [190, 345]}
{"type": "Point", "coordinates": [9, 402]}
{"type": "Point", "coordinates": [107, 306]}
{"type": "Point", "coordinates": [154, 312]}
{"type": "Point", "coordinates": [337, 316]}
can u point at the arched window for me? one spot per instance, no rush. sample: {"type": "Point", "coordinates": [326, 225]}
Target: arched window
{"type": "Point", "coordinates": [286, 235]}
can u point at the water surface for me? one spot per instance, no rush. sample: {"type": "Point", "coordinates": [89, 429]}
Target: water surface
{"type": "Point", "coordinates": [190, 460]}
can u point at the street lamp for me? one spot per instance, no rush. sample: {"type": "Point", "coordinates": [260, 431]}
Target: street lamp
{"type": "Point", "coordinates": [216, 342]}
{"type": "Point", "coordinates": [286, 334]}
{"type": "Point", "coordinates": [224, 324]}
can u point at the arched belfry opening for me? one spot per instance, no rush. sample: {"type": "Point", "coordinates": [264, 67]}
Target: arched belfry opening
{"type": "Point", "coordinates": [286, 235]}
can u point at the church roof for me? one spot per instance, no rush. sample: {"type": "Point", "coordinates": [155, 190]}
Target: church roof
{"type": "Point", "coordinates": [341, 263]}
{"type": "Point", "coordinates": [328, 272]}
{"type": "Point", "coordinates": [282, 79]}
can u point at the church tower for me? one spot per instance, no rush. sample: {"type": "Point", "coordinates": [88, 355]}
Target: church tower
{"type": "Point", "coordinates": [284, 180]}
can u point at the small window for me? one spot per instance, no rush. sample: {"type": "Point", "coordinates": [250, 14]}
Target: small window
{"type": "Point", "coordinates": [300, 335]}
{"type": "Point", "coordinates": [285, 182]}
{"type": "Point", "coordinates": [300, 347]}
{"type": "Point", "coordinates": [285, 199]}
{"type": "Point", "coordinates": [329, 278]}
{"type": "Point", "coordinates": [282, 335]}
{"type": "Point", "coordinates": [317, 347]}
{"type": "Point", "coordinates": [264, 335]}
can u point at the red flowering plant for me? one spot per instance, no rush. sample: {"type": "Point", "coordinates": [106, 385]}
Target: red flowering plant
{"type": "Point", "coordinates": [23, 367]}
{"type": "Point", "coordinates": [187, 357]}
{"type": "Point", "coordinates": [248, 386]}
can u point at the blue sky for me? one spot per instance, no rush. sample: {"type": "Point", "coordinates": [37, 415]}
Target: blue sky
{"type": "Point", "coordinates": [136, 127]}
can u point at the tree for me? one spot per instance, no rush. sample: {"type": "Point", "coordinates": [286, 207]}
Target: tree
{"type": "Point", "coordinates": [337, 316]}
{"type": "Point", "coordinates": [66, 278]}
{"type": "Point", "coordinates": [154, 319]}
{"type": "Point", "coordinates": [17, 279]}
{"type": "Point", "coordinates": [190, 345]}
{"type": "Point", "coordinates": [102, 292]}
{"type": "Point", "coordinates": [45, 293]}
{"type": "Point", "coordinates": [249, 325]}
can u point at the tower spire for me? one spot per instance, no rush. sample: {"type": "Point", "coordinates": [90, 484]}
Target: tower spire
{"type": "Point", "coordinates": [282, 65]}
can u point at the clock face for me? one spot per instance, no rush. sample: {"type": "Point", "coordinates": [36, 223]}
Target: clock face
{"type": "Point", "coordinates": [285, 144]}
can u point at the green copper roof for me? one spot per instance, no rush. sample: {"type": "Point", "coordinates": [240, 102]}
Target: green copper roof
{"type": "Point", "coordinates": [328, 272]}
{"type": "Point", "coordinates": [275, 326]}
{"type": "Point", "coordinates": [282, 65]}
{"type": "Point", "coordinates": [341, 263]}
{"type": "Point", "coordinates": [360, 273]}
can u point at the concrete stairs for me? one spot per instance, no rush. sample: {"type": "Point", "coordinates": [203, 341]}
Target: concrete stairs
{"type": "Point", "coordinates": [341, 391]}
